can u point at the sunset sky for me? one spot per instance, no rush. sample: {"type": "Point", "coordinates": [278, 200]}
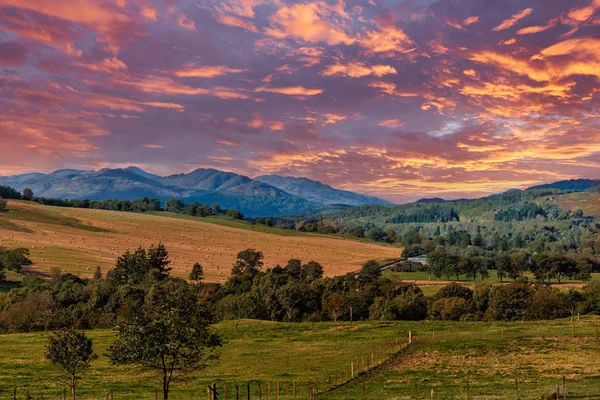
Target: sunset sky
{"type": "Point", "coordinates": [399, 99]}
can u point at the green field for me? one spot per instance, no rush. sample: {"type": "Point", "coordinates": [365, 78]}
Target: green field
{"type": "Point", "coordinates": [444, 356]}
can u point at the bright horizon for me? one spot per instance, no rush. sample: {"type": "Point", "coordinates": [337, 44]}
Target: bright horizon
{"type": "Point", "coordinates": [395, 99]}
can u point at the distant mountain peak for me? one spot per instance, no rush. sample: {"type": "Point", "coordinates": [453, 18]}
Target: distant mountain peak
{"type": "Point", "coordinates": [318, 192]}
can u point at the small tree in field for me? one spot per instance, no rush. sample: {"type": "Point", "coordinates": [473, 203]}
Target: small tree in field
{"type": "Point", "coordinates": [197, 273]}
{"type": "Point", "coordinates": [2, 204]}
{"type": "Point", "coordinates": [27, 194]}
{"type": "Point", "coordinates": [169, 334]}
{"type": "Point", "coordinates": [71, 353]}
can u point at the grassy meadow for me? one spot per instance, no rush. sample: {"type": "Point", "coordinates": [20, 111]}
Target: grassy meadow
{"type": "Point", "coordinates": [443, 357]}
{"type": "Point", "coordinates": [78, 240]}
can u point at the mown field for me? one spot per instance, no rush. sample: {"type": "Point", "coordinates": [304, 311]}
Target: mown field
{"type": "Point", "coordinates": [587, 201]}
{"type": "Point", "coordinates": [444, 356]}
{"type": "Point", "coordinates": [78, 240]}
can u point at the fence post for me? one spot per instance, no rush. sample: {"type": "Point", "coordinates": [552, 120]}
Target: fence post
{"type": "Point", "coordinates": [323, 382]}
{"type": "Point", "coordinates": [111, 395]}
{"type": "Point", "coordinates": [248, 390]}
{"type": "Point", "coordinates": [352, 368]}
{"type": "Point", "coordinates": [308, 386]}
{"type": "Point", "coordinates": [409, 337]}
{"type": "Point", "coordinates": [549, 330]}
{"type": "Point", "coordinates": [214, 391]}
{"type": "Point", "coordinates": [225, 391]}
{"type": "Point", "coordinates": [502, 332]}
{"type": "Point", "coordinates": [278, 390]}
{"type": "Point", "coordinates": [269, 390]}
{"type": "Point", "coordinates": [208, 396]}
{"type": "Point", "coordinates": [572, 330]}
{"type": "Point", "coordinates": [372, 360]}
{"type": "Point", "coordinates": [64, 394]}
{"type": "Point", "coordinates": [287, 390]}
{"type": "Point", "coordinates": [237, 392]}
{"type": "Point", "coordinates": [15, 393]}
{"type": "Point", "coordinates": [517, 387]}
{"type": "Point", "coordinates": [363, 390]}
{"type": "Point", "coordinates": [259, 392]}
{"type": "Point", "coordinates": [564, 387]}
{"type": "Point", "coordinates": [468, 394]}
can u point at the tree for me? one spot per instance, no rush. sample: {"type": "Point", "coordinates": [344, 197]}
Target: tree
{"type": "Point", "coordinates": [248, 261]}
{"type": "Point", "coordinates": [334, 303]}
{"type": "Point", "coordinates": [376, 234]}
{"type": "Point", "coordinates": [174, 205]}
{"type": "Point", "coordinates": [98, 273]}
{"type": "Point", "coordinates": [27, 194]}
{"type": "Point", "coordinates": [169, 334]}
{"type": "Point", "coordinates": [15, 259]}
{"type": "Point", "coordinates": [2, 204]}
{"type": "Point", "coordinates": [371, 271]}
{"type": "Point", "coordinates": [517, 265]}
{"type": "Point", "coordinates": [71, 353]}
{"type": "Point", "coordinates": [197, 273]}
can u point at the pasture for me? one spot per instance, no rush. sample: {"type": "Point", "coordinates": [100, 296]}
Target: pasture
{"type": "Point", "coordinates": [78, 240]}
{"type": "Point", "coordinates": [443, 357]}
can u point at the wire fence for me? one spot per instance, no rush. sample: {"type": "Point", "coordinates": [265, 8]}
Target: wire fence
{"type": "Point", "coordinates": [351, 379]}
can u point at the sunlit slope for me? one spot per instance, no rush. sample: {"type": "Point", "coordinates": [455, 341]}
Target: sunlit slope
{"type": "Point", "coordinates": [77, 240]}
{"type": "Point", "coordinates": [587, 201]}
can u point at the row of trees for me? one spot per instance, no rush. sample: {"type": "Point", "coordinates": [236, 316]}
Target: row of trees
{"type": "Point", "coordinates": [136, 205]}
{"type": "Point", "coordinates": [297, 291]}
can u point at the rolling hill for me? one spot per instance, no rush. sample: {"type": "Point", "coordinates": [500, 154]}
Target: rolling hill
{"type": "Point", "coordinates": [77, 240]}
{"type": "Point", "coordinates": [254, 197]}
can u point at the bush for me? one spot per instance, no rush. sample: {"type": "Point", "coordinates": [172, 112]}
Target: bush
{"type": "Point", "coordinates": [450, 309]}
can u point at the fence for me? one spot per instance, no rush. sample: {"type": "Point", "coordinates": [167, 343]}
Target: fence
{"type": "Point", "coordinates": [354, 372]}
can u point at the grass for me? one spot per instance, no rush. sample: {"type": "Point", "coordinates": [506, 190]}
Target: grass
{"type": "Point", "coordinates": [78, 240]}
{"type": "Point", "coordinates": [490, 364]}
{"type": "Point", "coordinates": [264, 352]}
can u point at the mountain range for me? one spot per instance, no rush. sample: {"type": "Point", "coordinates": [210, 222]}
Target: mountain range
{"type": "Point", "coordinates": [269, 195]}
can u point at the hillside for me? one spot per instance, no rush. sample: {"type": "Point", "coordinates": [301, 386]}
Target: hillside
{"type": "Point", "coordinates": [254, 198]}
{"type": "Point", "coordinates": [572, 184]}
{"type": "Point", "coordinates": [77, 240]}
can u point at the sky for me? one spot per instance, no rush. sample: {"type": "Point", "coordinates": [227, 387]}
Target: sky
{"type": "Point", "coordinates": [399, 99]}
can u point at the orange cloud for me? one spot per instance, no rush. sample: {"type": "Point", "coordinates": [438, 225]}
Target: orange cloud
{"type": "Point", "coordinates": [190, 71]}
{"type": "Point", "coordinates": [536, 29]}
{"type": "Point", "coordinates": [308, 22]}
{"type": "Point", "coordinates": [511, 64]}
{"type": "Point", "coordinates": [388, 39]}
{"type": "Point", "coordinates": [290, 91]}
{"type": "Point", "coordinates": [237, 22]}
{"type": "Point", "coordinates": [92, 14]}
{"type": "Point", "coordinates": [108, 65]}
{"type": "Point", "coordinates": [508, 42]}
{"type": "Point", "coordinates": [391, 123]}
{"type": "Point", "coordinates": [357, 70]}
{"type": "Point", "coordinates": [149, 13]}
{"type": "Point", "coordinates": [167, 86]}
{"type": "Point", "coordinates": [153, 146]}
{"type": "Point", "coordinates": [332, 119]}
{"type": "Point", "coordinates": [512, 21]}
{"type": "Point", "coordinates": [471, 20]}
{"type": "Point", "coordinates": [390, 88]}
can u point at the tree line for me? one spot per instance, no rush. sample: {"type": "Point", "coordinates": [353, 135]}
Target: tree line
{"type": "Point", "coordinates": [296, 291]}
{"type": "Point", "coordinates": [144, 204]}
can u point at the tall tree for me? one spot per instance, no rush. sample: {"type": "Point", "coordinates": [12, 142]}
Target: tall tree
{"type": "Point", "coordinates": [248, 261]}
{"type": "Point", "coordinates": [197, 273]}
{"type": "Point", "coordinates": [170, 334]}
{"type": "Point", "coordinates": [71, 353]}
